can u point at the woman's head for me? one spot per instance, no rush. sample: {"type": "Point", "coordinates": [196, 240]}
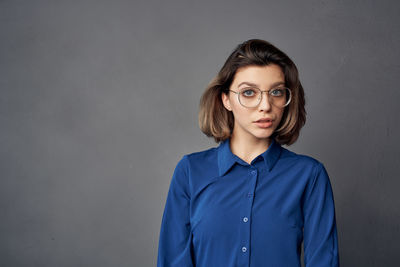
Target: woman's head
{"type": "Point", "coordinates": [251, 59]}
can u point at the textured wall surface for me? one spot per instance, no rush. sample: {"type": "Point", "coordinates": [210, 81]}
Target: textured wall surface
{"type": "Point", "coordinates": [99, 100]}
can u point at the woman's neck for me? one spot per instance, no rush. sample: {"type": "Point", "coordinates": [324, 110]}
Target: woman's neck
{"type": "Point", "coordinates": [247, 149]}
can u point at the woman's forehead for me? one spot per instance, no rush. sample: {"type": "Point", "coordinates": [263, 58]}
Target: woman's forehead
{"type": "Point", "coordinates": [259, 76]}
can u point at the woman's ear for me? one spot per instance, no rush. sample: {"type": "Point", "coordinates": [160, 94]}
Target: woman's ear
{"type": "Point", "coordinates": [226, 101]}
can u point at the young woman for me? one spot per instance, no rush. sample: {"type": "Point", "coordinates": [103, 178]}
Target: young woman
{"type": "Point", "coordinates": [250, 201]}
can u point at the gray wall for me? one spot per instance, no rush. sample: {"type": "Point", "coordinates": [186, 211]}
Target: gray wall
{"type": "Point", "coordinates": [99, 100]}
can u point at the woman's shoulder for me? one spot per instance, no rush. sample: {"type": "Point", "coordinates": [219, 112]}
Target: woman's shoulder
{"type": "Point", "coordinates": [306, 164]}
{"type": "Point", "coordinates": [201, 157]}
{"type": "Point", "coordinates": [205, 156]}
{"type": "Point", "coordinates": [299, 158]}
{"type": "Point", "coordinates": [200, 165]}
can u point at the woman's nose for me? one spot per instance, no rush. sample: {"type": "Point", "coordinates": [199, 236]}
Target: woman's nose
{"type": "Point", "coordinates": [264, 103]}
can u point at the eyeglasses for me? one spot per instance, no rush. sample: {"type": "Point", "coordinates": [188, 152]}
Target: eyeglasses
{"type": "Point", "coordinates": [251, 97]}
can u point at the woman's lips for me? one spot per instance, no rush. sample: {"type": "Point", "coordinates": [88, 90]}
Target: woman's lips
{"type": "Point", "coordinates": [264, 123]}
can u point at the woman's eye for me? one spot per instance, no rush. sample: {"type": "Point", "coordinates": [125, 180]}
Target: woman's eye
{"type": "Point", "coordinates": [248, 92]}
{"type": "Point", "coordinates": [277, 92]}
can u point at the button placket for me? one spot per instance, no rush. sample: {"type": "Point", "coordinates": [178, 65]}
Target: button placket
{"type": "Point", "coordinates": [246, 215]}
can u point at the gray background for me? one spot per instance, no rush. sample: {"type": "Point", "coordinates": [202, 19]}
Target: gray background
{"type": "Point", "coordinates": [99, 101]}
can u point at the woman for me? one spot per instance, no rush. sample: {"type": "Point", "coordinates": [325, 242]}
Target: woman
{"type": "Point", "coordinates": [249, 201]}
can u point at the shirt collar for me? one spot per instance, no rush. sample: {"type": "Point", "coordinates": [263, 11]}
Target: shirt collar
{"type": "Point", "coordinates": [226, 158]}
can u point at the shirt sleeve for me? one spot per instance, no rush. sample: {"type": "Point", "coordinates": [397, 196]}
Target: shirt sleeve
{"type": "Point", "coordinates": [320, 235]}
{"type": "Point", "coordinates": [175, 242]}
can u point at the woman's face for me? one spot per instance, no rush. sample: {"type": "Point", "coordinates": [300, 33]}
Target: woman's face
{"type": "Point", "coordinates": [264, 78]}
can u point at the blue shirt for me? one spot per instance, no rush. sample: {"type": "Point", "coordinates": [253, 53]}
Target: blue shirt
{"type": "Point", "coordinates": [223, 212]}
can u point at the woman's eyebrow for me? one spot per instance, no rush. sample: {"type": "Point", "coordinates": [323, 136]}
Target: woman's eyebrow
{"type": "Point", "coordinates": [248, 83]}
{"type": "Point", "coordinates": [256, 85]}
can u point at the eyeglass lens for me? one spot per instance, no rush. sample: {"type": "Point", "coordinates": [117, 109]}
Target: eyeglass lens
{"type": "Point", "coordinates": [278, 97]}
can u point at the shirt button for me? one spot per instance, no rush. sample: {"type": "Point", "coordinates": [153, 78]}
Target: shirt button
{"type": "Point", "coordinates": [244, 249]}
{"type": "Point", "coordinates": [249, 195]}
{"type": "Point", "coordinates": [245, 219]}
{"type": "Point", "coordinates": [253, 172]}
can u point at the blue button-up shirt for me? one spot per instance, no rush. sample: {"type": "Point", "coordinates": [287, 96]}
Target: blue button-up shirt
{"type": "Point", "coordinates": [223, 212]}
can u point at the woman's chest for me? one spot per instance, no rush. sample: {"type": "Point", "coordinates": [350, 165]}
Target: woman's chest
{"type": "Point", "coordinates": [224, 206]}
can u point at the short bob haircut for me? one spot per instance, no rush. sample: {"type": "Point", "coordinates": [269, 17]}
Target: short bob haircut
{"type": "Point", "coordinates": [217, 122]}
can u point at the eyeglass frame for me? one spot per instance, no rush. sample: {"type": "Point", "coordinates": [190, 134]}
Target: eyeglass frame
{"type": "Point", "coordinates": [265, 91]}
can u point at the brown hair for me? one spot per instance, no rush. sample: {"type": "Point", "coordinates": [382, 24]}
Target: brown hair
{"type": "Point", "coordinates": [217, 122]}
